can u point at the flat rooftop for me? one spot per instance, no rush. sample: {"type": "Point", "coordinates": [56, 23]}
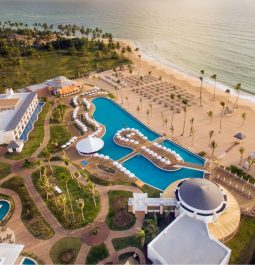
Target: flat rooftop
{"type": "Point", "coordinates": [187, 241]}
{"type": "Point", "coordinates": [10, 118]}
{"type": "Point", "coordinates": [9, 253]}
{"type": "Point", "coordinates": [8, 102]}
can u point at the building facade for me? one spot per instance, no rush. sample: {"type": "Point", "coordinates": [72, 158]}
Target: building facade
{"type": "Point", "coordinates": [15, 119]}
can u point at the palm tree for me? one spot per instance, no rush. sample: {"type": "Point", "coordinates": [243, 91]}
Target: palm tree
{"type": "Point", "coordinates": [192, 134]}
{"type": "Point", "coordinates": [215, 80]}
{"type": "Point", "coordinates": [251, 162]}
{"type": "Point", "coordinates": [165, 121]}
{"type": "Point", "coordinates": [241, 151]}
{"type": "Point", "coordinates": [148, 116]}
{"type": "Point", "coordinates": [238, 88]}
{"type": "Point", "coordinates": [210, 115]}
{"type": "Point", "coordinates": [184, 102]}
{"type": "Point", "coordinates": [139, 66]}
{"type": "Point", "coordinates": [228, 94]}
{"type": "Point", "coordinates": [213, 146]}
{"type": "Point", "coordinates": [80, 203]}
{"type": "Point", "coordinates": [141, 101]}
{"type": "Point", "coordinates": [46, 186]}
{"type": "Point", "coordinates": [48, 156]}
{"type": "Point", "coordinates": [141, 236]}
{"type": "Point", "coordinates": [38, 165]}
{"type": "Point", "coordinates": [243, 116]}
{"type": "Point", "coordinates": [150, 105]}
{"type": "Point", "coordinates": [163, 118]}
{"type": "Point", "coordinates": [77, 175]}
{"type": "Point", "coordinates": [172, 130]}
{"type": "Point", "coordinates": [137, 108]}
{"type": "Point", "coordinates": [211, 133]}
{"type": "Point", "coordinates": [222, 103]}
{"type": "Point", "coordinates": [172, 96]}
{"type": "Point", "coordinates": [92, 188]}
{"type": "Point", "coordinates": [191, 126]}
{"type": "Point", "coordinates": [67, 162]}
{"type": "Point", "coordinates": [127, 101]}
{"type": "Point", "coordinates": [202, 72]}
{"type": "Point", "coordinates": [70, 200]}
{"type": "Point", "coordinates": [152, 228]}
{"type": "Point", "coordinates": [62, 198]}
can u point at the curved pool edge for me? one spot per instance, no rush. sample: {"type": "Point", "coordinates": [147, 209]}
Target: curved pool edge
{"type": "Point", "coordinates": [9, 210]}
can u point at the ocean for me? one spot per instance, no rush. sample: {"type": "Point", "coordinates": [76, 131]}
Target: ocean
{"type": "Point", "coordinates": [217, 36]}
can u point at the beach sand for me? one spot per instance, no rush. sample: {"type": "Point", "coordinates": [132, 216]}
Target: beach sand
{"type": "Point", "coordinates": [227, 152]}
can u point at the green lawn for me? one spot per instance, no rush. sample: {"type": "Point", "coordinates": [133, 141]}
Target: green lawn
{"type": "Point", "coordinates": [243, 244]}
{"type": "Point", "coordinates": [59, 135]}
{"type": "Point", "coordinates": [103, 182]}
{"type": "Point", "coordinates": [5, 170]}
{"type": "Point", "coordinates": [97, 254]}
{"type": "Point", "coordinates": [124, 242]}
{"type": "Point", "coordinates": [35, 137]}
{"type": "Point", "coordinates": [59, 177]}
{"type": "Point", "coordinates": [58, 113]}
{"type": "Point", "coordinates": [21, 72]}
{"type": "Point", "coordinates": [118, 217]}
{"type": "Point", "coordinates": [4, 221]}
{"type": "Point", "coordinates": [152, 192]}
{"type": "Point", "coordinates": [30, 214]}
{"type": "Point", "coordinates": [65, 245]}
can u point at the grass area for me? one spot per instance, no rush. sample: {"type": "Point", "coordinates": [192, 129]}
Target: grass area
{"type": "Point", "coordinates": [30, 215]}
{"type": "Point", "coordinates": [241, 173]}
{"type": "Point", "coordinates": [60, 250]}
{"type": "Point", "coordinates": [21, 72]}
{"type": "Point", "coordinates": [9, 214]}
{"type": "Point", "coordinates": [103, 182]}
{"type": "Point", "coordinates": [243, 244]}
{"type": "Point", "coordinates": [35, 137]}
{"type": "Point", "coordinates": [152, 192]}
{"type": "Point", "coordinates": [118, 217]}
{"type": "Point", "coordinates": [5, 170]}
{"type": "Point", "coordinates": [59, 135]}
{"type": "Point", "coordinates": [62, 210]}
{"type": "Point", "coordinates": [58, 114]}
{"type": "Point", "coordinates": [124, 242]}
{"type": "Point", "coordinates": [97, 254]}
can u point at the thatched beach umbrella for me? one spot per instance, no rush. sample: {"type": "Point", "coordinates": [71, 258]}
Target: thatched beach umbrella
{"type": "Point", "coordinates": [239, 137]}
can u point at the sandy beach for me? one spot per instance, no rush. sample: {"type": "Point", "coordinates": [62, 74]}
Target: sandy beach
{"type": "Point", "coordinates": [226, 152]}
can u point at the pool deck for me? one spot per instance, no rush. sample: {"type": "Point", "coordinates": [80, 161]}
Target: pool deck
{"type": "Point", "coordinates": [227, 223]}
{"type": "Point", "coordinates": [137, 142]}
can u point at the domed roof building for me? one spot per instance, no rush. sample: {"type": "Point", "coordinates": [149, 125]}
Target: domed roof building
{"type": "Point", "coordinates": [200, 198]}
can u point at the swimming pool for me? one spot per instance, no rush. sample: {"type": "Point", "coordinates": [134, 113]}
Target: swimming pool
{"type": "Point", "coordinates": [156, 177]}
{"type": "Point", "coordinates": [30, 125]}
{"type": "Point", "coordinates": [5, 207]}
{"type": "Point", "coordinates": [187, 156]}
{"type": "Point", "coordinates": [28, 261]}
{"type": "Point", "coordinates": [114, 118]}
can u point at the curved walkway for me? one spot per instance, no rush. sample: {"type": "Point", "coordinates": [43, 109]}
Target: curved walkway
{"type": "Point", "coordinates": [41, 248]}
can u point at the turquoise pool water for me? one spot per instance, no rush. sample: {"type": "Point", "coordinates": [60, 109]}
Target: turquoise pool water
{"type": "Point", "coordinates": [4, 209]}
{"type": "Point", "coordinates": [187, 156]}
{"type": "Point", "coordinates": [153, 176]}
{"type": "Point", "coordinates": [113, 117]}
{"type": "Point", "coordinates": [28, 261]}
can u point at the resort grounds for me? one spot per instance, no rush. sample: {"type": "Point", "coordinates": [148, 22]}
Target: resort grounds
{"type": "Point", "coordinates": [98, 228]}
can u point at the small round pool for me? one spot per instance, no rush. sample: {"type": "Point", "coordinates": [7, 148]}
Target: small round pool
{"type": "Point", "coordinates": [5, 207]}
{"type": "Point", "coordinates": [28, 261]}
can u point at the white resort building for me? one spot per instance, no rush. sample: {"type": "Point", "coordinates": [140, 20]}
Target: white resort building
{"type": "Point", "coordinates": [206, 216]}
{"type": "Point", "coordinates": [18, 112]}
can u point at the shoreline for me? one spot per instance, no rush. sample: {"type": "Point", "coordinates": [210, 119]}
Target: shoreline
{"type": "Point", "coordinates": [177, 75]}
